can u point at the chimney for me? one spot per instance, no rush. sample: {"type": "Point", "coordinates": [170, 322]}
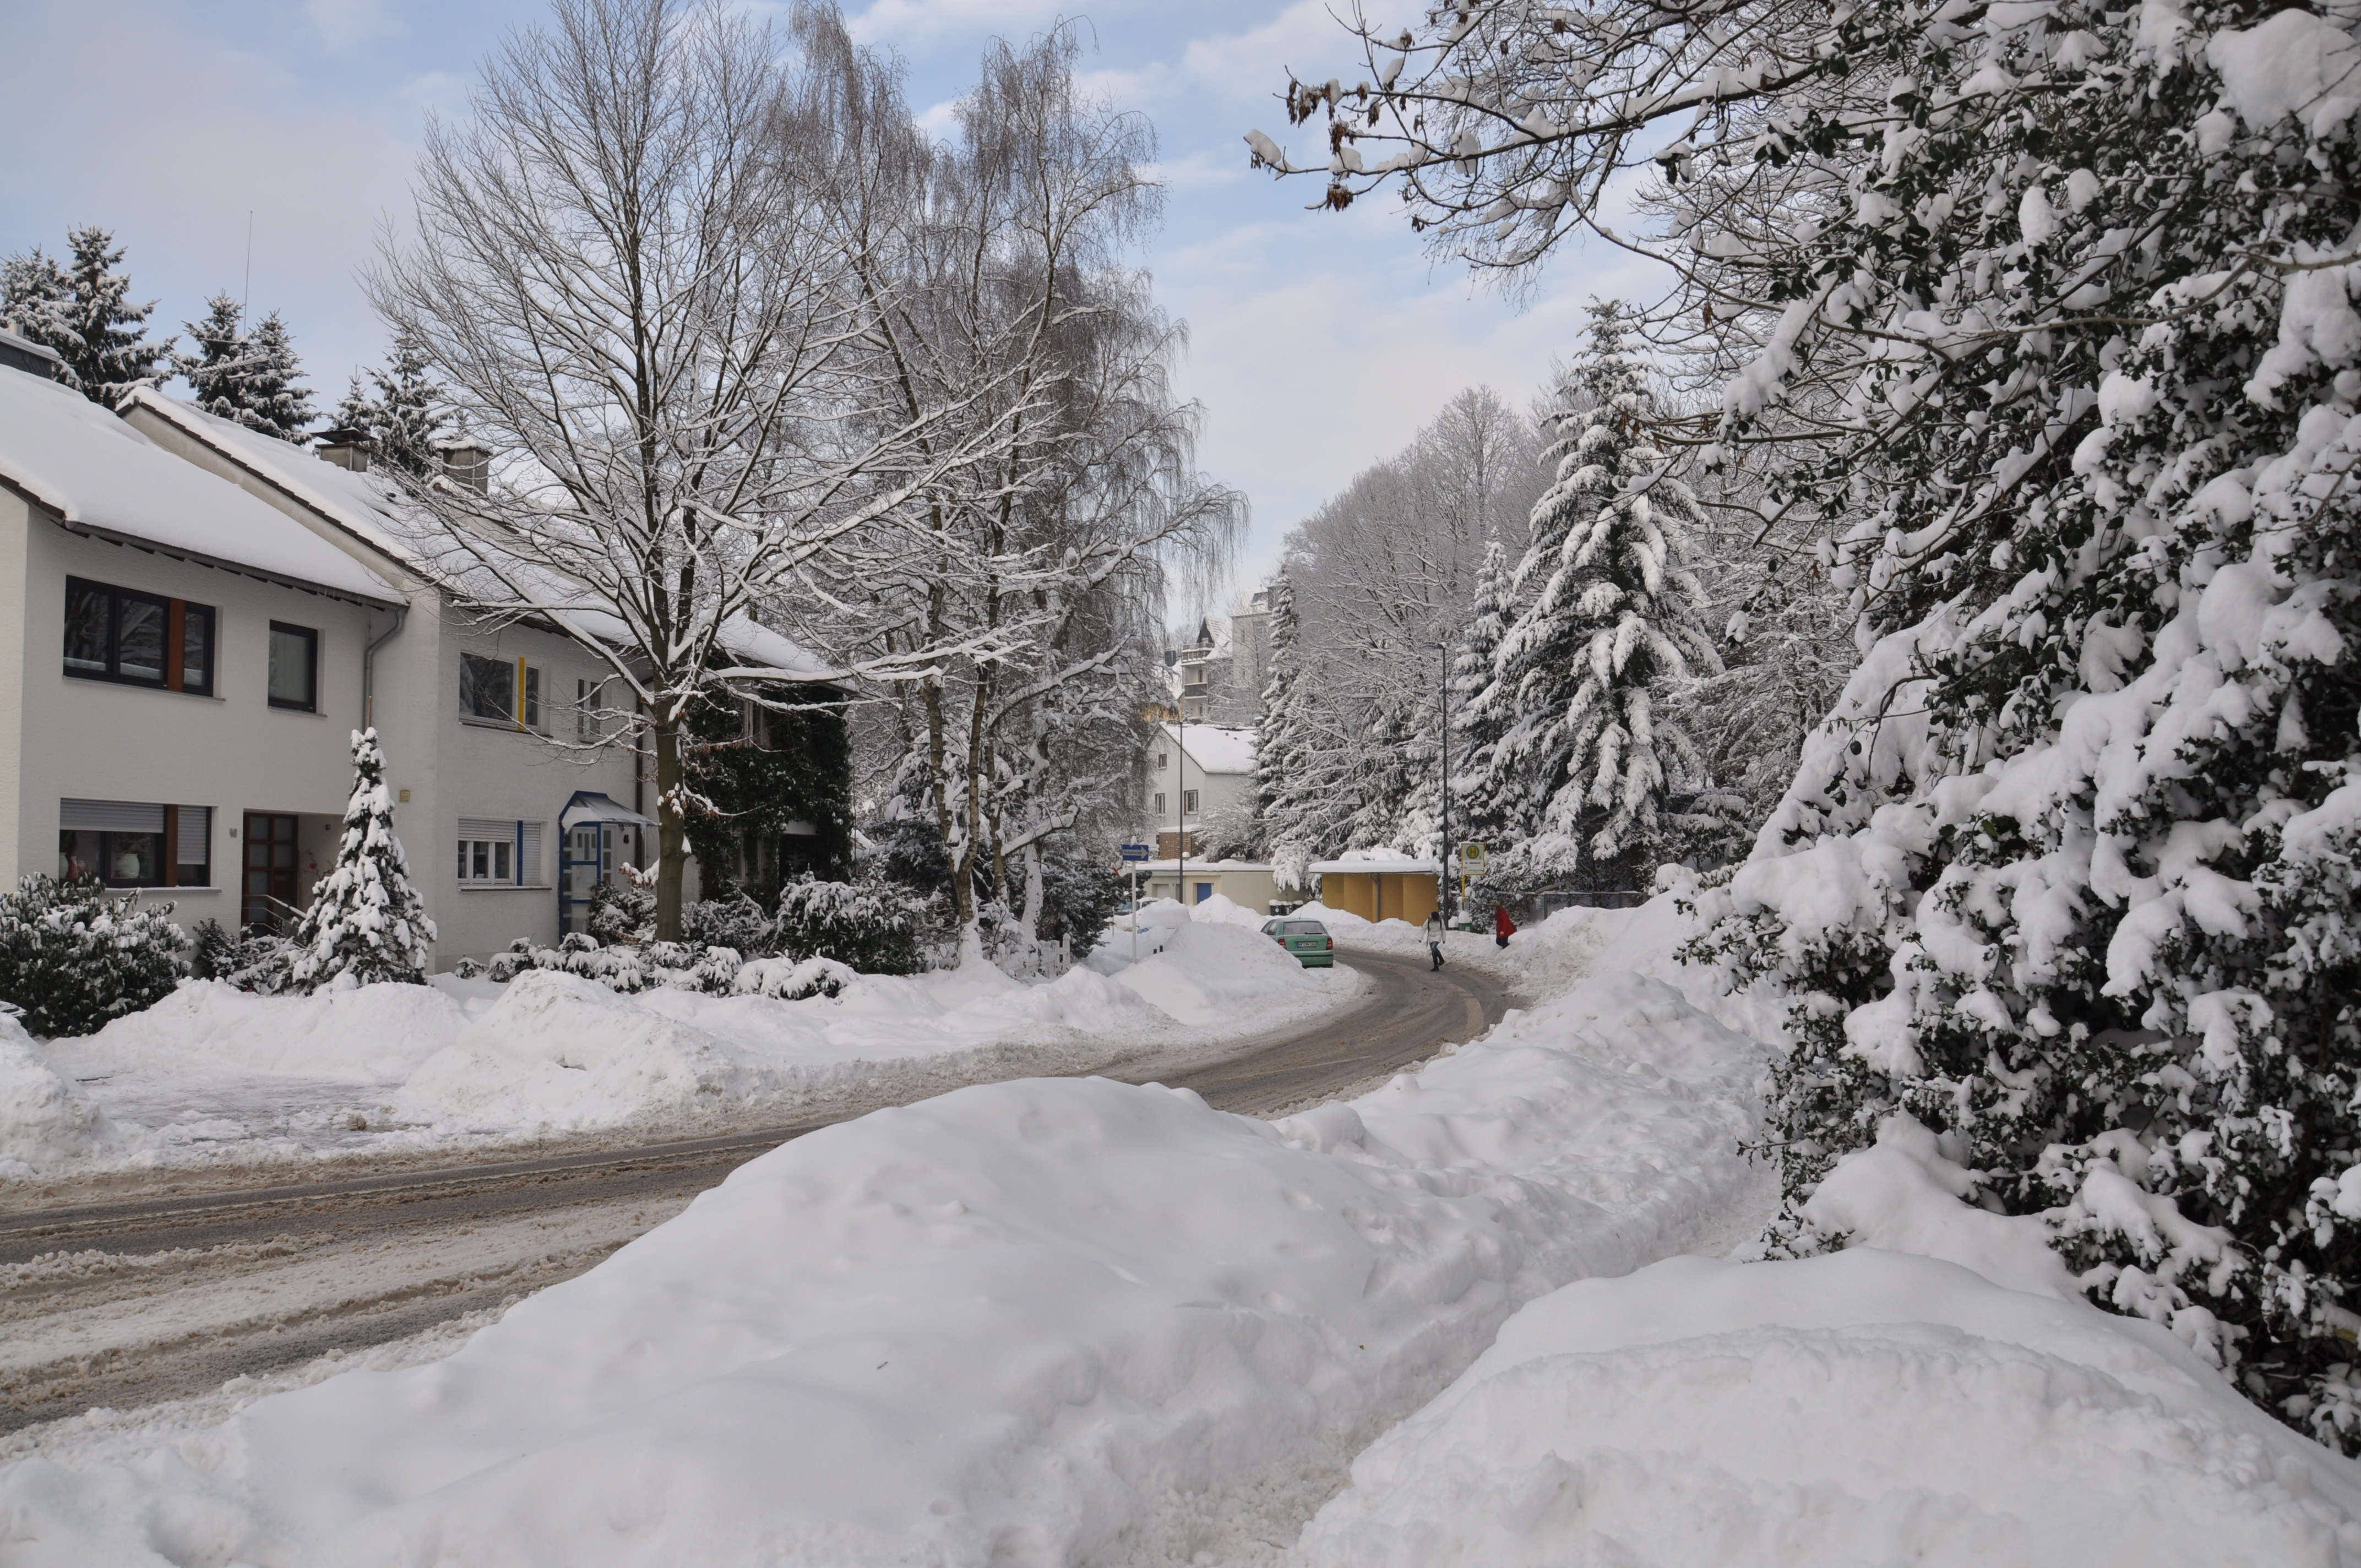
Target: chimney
{"type": "Point", "coordinates": [467, 462]}
{"type": "Point", "coordinates": [346, 449]}
{"type": "Point", "coordinates": [21, 354]}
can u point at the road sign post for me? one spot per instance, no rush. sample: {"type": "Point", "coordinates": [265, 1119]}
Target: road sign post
{"type": "Point", "coordinates": [1132, 854]}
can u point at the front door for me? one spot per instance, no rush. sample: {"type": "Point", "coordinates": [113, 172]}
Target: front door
{"type": "Point", "coordinates": [269, 892]}
{"type": "Point", "coordinates": [585, 864]}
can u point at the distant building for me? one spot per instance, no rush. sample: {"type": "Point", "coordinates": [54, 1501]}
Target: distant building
{"type": "Point", "coordinates": [1219, 674]}
{"type": "Point", "coordinates": [1198, 775]}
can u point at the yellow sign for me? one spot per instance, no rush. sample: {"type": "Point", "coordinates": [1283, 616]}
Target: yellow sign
{"type": "Point", "coordinates": [1473, 854]}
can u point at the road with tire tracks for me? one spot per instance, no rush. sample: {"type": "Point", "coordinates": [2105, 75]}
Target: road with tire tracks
{"type": "Point", "coordinates": [133, 1300]}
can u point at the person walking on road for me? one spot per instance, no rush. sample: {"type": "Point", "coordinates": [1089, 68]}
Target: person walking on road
{"type": "Point", "coordinates": [1435, 938]}
{"type": "Point", "coordinates": [1502, 927]}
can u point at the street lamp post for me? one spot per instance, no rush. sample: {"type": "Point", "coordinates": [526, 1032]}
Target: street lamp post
{"type": "Point", "coordinates": [1445, 785]}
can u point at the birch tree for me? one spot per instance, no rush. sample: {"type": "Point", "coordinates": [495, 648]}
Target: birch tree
{"type": "Point", "coordinates": [1006, 295]}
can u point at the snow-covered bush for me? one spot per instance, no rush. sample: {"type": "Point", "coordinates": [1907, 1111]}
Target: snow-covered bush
{"type": "Point", "coordinates": [736, 921]}
{"type": "Point", "coordinates": [73, 957]}
{"type": "Point", "coordinates": [254, 961]}
{"type": "Point", "coordinates": [622, 911]}
{"type": "Point", "coordinates": [365, 920]}
{"type": "Point", "coordinates": [682, 966]}
{"type": "Point", "coordinates": [875, 927]}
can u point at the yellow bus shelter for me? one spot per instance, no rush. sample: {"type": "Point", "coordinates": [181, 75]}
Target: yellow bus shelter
{"type": "Point", "coordinates": [1380, 890]}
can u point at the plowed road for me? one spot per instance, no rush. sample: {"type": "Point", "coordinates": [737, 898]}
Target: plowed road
{"type": "Point", "coordinates": [130, 1301]}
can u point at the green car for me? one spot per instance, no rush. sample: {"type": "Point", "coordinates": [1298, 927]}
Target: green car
{"type": "Point", "coordinates": [1307, 939]}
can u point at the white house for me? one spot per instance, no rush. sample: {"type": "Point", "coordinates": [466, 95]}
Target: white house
{"type": "Point", "coordinates": [205, 614]}
{"type": "Point", "coordinates": [180, 665]}
{"type": "Point", "coordinates": [1195, 771]}
{"type": "Point", "coordinates": [514, 794]}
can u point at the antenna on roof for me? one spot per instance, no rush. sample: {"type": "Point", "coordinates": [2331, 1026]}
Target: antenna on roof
{"type": "Point", "coordinates": [246, 304]}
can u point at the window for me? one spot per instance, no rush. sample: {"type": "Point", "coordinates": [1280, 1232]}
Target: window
{"type": "Point", "coordinates": [1159, 803]}
{"type": "Point", "coordinates": [1162, 760]}
{"type": "Point", "coordinates": [137, 638]}
{"type": "Point", "coordinates": [127, 843]}
{"type": "Point", "coordinates": [486, 860]}
{"type": "Point", "coordinates": [492, 851]}
{"type": "Point", "coordinates": [1187, 800]}
{"type": "Point", "coordinates": [489, 689]}
{"type": "Point", "coordinates": [294, 667]}
{"type": "Point", "coordinates": [586, 709]}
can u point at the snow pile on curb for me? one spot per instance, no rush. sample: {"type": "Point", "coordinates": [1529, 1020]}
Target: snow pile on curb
{"type": "Point", "coordinates": [211, 1073]}
{"type": "Point", "coordinates": [1043, 1320]}
{"type": "Point", "coordinates": [45, 1117]}
{"type": "Point", "coordinates": [1865, 1408]}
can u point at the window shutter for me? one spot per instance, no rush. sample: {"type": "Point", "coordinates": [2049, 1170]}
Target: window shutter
{"type": "Point", "coordinates": [109, 817]}
{"type": "Point", "coordinates": [486, 828]}
{"type": "Point", "coordinates": [196, 835]}
{"type": "Point", "coordinates": [528, 853]}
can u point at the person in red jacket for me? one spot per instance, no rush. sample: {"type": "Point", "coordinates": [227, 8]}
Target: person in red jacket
{"type": "Point", "coordinates": [1502, 927]}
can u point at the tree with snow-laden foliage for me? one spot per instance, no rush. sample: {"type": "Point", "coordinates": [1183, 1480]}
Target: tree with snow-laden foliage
{"type": "Point", "coordinates": [366, 919]}
{"type": "Point", "coordinates": [252, 378]}
{"type": "Point", "coordinates": [405, 415]}
{"type": "Point", "coordinates": [1478, 718]}
{"type": "Point", "coordinates": [2045, 313]}
{"type": "Point", "coordinates": [1583, 761]}
{"type": "Point", "coordinates": [83, 312]}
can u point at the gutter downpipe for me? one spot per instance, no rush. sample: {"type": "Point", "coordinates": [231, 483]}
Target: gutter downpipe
{"type": "Point", "coordinates": [368, 667]}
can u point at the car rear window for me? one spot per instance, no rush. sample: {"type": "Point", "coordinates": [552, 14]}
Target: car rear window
{"type": "Point", "coordinates": [1306, 928]}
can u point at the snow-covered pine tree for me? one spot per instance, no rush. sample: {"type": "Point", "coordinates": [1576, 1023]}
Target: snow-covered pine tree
{"type": "Point", "coordinates": [1478, 718]}
{"type": "Point", "coordinates": [1279, 742]}
{"type": "Point", "coordinates": [1610, 609]}
{"type": "Point", "coordinates": [221, 344]}
{"type": "Point", "coordinates": [409, 410]}
{"type": "Point", "coordinates": [366, 919]}
{"type": "Point", "coordinates": [35, 295]}
{"type": "Point", "coordinates": [101, 334]}
{"type": "Point", "coordinates": [251, 377]}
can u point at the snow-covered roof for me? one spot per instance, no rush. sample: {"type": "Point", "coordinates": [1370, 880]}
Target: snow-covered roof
{"type": "Point", "coordinates": [94, 470]}
{"type": "Point", "coordinates": [1194, 864]}
{"type": "Point", "coordinates": [368, 508]}
{"type": "Point", "coordinates": [363, 505]}
{"type": "Point", "coordinates": [1216, 747]}
{"type": "Point", "coordinates": [1371, 867]}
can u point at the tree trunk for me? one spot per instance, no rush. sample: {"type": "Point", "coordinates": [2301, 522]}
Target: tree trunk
{"type": "Point", "coordinates": [672, 832]}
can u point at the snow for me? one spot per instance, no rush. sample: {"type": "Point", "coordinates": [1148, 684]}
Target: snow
{"type": "Point", "coordinates": [1075, 1320]}
{"type": "Point", "coordinates": [90, 467]}
{"type": "Point", "coordinates": [45, 1117]}
{"type": "Point", "coordinates": [211, 1073]}
{"type": "Point", "coordinates": [1214, 748]}
{"type": "Point", "coordinates": [1866, 1408]}
{"type": "Point", "coordinates": [1041, 1320]}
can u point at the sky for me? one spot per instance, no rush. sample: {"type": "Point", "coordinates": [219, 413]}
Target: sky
{"type": "Point", "coordinates": [1319, 341]}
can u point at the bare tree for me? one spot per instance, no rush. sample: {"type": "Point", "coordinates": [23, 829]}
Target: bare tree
{"type": "Point", "coordinates": [1006, 297]}
{"type": "Point", "coordinates": [629, 265]}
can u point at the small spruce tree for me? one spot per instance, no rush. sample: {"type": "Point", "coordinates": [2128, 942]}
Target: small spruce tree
{"type": "Point", "coordinates": [366, 919]}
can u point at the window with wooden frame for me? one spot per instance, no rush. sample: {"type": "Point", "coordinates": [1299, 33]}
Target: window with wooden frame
{"type": "Point", "coordinates": [294, 667]}
{"type": "Point", "coordinates": [138, 639]}
{"type": "Point", "coordinates": [128, 843]}
{"type": "Point", "coordinates": [489, 689]}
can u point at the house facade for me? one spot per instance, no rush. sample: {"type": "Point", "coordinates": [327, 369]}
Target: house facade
{"type": "Point", "coordinates": [516, 792]}
{"type": "Point", "coordinates": [194, 618]}
{"type": "Point", "coordinates": [1196, 774]}
{"type": "Point", "coordinates": [180, 667]}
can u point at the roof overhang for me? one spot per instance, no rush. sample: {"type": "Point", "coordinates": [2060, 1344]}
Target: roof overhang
{"type": "Point", "coordinates": [594, 806]}
{"type": "Point", "coordinates": [199, 558]}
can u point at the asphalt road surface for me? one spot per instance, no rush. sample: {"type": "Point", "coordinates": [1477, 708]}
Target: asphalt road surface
{"type": "Point", "coordinates": [127, 1303]}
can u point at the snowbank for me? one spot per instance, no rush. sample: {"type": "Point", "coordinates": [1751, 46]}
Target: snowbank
{"type": "Point", "coordinates": [1865, 1408]}
{"type": "Point", "coordinates": [211, 1073]}
{"type": "Point", "coordinates": [1048, 1320]}
{"type": "Point", "coordinates": [45, 1117]}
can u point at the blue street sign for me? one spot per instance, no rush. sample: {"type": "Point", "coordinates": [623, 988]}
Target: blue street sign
{"type": "Point", "coordinates": [1135, 851]}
